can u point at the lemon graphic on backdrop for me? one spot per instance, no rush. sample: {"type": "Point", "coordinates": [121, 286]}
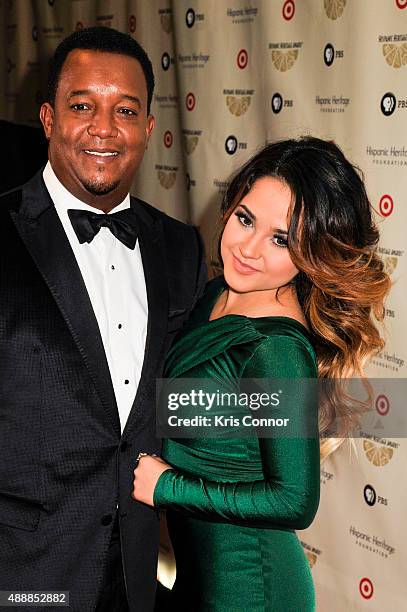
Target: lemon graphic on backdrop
{"type": "Point", "coordinates": [166, 23]}
{"type": "Point", "coordinates": [311, 558]}
{"type": "Point", "coordinates": [396, 55]}
{"type": "Point", "coordinates": [238, 106]}
{"type": "Point", "coordinates": [284, 60]}
{"type": "Point", "coordinates": [190, 144]}
{"type": "Point", "coordinates": [167, 179]}
{"type": "Point", "coordinates": [334, 8]}
{"type": "Point", "coordinates": [390, 264]}
{"type": "Point", "coordinates": [377, 453]}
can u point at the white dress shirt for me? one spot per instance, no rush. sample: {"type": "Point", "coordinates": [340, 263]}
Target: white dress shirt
{"type": "Point", "coordinates": [114, 278]}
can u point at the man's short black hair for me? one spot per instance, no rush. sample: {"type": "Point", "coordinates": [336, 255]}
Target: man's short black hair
{"type": "Point", "coordinates": [102, 39]}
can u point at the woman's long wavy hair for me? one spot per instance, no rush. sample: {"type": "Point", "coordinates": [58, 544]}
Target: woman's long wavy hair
{"type": "Point", "coordinates": [341, 284]}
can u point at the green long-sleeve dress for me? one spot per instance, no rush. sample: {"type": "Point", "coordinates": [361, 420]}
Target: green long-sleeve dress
{"type": "Point", "coordinates": [233, 504]}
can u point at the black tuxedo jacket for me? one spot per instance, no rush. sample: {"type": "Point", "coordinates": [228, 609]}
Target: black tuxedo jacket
{"type": "Point", "coordinates": [64, 465]}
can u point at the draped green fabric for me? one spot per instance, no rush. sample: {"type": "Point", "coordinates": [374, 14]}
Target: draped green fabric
{"type": "Point", "coordinates": [233, 504]}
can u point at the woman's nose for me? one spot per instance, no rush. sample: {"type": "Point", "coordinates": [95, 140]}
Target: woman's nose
{"type": "Point", "coordinates": [251, 247]}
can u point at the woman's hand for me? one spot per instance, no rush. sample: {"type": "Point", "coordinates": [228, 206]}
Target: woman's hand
{"type": "Point", "coordinates": [146, 475]}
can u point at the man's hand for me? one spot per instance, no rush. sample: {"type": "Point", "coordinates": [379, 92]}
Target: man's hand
{"type": "Point", "coordinates": [146, 475]}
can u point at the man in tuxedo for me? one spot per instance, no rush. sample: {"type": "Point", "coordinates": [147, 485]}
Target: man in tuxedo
{"type": "Point", "coordinates": [94, 285]}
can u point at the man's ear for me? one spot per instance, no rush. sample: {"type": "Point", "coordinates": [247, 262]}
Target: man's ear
{"type": "Point", "coordinates": [149, 127]}
{"type": "Point", "coordinates": [47, 118]}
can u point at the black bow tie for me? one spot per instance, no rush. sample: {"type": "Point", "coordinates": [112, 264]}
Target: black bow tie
{"type": "Point", "coordinates": [122, 224]}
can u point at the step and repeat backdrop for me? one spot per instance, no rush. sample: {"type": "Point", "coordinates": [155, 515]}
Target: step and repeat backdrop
{"type": "Point", "coordinates": [232, 75]}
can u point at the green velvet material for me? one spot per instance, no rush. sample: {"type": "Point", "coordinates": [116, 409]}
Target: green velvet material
{"type": "Point", "coordinates": [233, 504]}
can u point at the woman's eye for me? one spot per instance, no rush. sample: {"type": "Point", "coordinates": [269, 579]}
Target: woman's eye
{"type": "Point", "coordinates": [244, 219]}
{"type": "Point", "coordinates": [280, 241]}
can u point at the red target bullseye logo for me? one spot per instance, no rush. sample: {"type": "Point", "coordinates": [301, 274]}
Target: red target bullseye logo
{"type": "Point", "coordinates": [288, 9]}
{"type": "Point", "coordinates": [382, 405]}
{"type": "Point", "coordinates": [386, 205]}
{"type": "Point", "coordinates": [132, 23]}
{"type": "Point", "coordinates": [366, 588]}
{"type": "Point", "coordinates": [168, 139]}
{"type": "Point", "coordinates": [190, 101]}
{"type": "Point", "coordinates": [401, 4]}
{"type": "Point", "coordinates": [242, 59]}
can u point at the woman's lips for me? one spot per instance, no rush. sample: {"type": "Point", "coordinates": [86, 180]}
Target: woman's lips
{"type": "Point", "coordinates": [242, 268]}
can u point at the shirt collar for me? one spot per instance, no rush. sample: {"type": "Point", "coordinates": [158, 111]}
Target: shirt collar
{"type": "Point", "coordinates": [64, 199]}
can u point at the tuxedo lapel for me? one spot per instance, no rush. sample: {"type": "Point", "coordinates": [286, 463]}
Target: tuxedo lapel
{"type": "Point", "coordinates": [40, 229]}
{"type": "Point", "coordinates": [150, 234]}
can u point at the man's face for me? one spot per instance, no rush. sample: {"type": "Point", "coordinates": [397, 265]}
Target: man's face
{"type": "Point", "coordinates": [98, 128]}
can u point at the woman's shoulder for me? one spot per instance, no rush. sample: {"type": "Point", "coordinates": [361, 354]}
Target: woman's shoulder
{"type": "Point", "coordinates": [284, 342]}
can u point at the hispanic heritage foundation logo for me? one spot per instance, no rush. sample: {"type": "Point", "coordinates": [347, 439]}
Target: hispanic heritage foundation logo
{"type": "Point", "coordinates": [284, 54]}
{"type": "Point", "coordinates": [371, 542]}
{"type": "Point", "coordinates": [334, 8]}
{"type": "Point", "coordinates": [242, 15]}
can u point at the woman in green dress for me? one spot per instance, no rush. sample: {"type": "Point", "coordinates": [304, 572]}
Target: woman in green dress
{"type": "Point", "coordinates": [302, 285]}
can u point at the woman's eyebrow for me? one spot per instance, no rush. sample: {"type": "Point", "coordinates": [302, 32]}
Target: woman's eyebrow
{"type": "Point", "coordinates": [248, 211]}
{"type": "Point", "coordinates": [253, 218]}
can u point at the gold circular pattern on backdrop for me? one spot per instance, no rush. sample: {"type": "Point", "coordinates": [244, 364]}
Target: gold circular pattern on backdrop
{"type": "Point", "coordinates": [377, 454]}
{"type": "Point", "coordinates": [284, 60]}
{"type": "Point", "coordinates": [167, 179]}
{"type": "Point", "coordinates": [190, 143]}
{"type": "Point", "coordinates": [238, 106]}
{"type": "Point", "coordinates": [396, 55]}
{"type": "Point", "coordinates": [390, 264]}
{"type": "Point", "coordinates": [334, 8]}
{"type": "Point", "coordinates": [166, 23]}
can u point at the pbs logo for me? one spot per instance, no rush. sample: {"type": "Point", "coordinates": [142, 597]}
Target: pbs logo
{"type": "Point", "coordinates": [231, 145]}
{"type": "Point", "coordinates": [388, 104]}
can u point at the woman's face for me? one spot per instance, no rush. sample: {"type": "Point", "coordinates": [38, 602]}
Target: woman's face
{"type": "Point", "coordinates": [254, 241]}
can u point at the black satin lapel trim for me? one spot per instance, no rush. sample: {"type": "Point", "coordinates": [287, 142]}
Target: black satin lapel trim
{"type": "Point", "coordinates": [48, 245]}
{"type": "Point", "coordinates": [155, 272]}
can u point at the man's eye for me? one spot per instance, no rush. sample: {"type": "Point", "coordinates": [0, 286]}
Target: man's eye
{"type": "Point", "coordinates": [244, 219]}
{"type": "Point", "coordinates": [127, 111]}
{"type": "Point", "coordinates": [79, 106]}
